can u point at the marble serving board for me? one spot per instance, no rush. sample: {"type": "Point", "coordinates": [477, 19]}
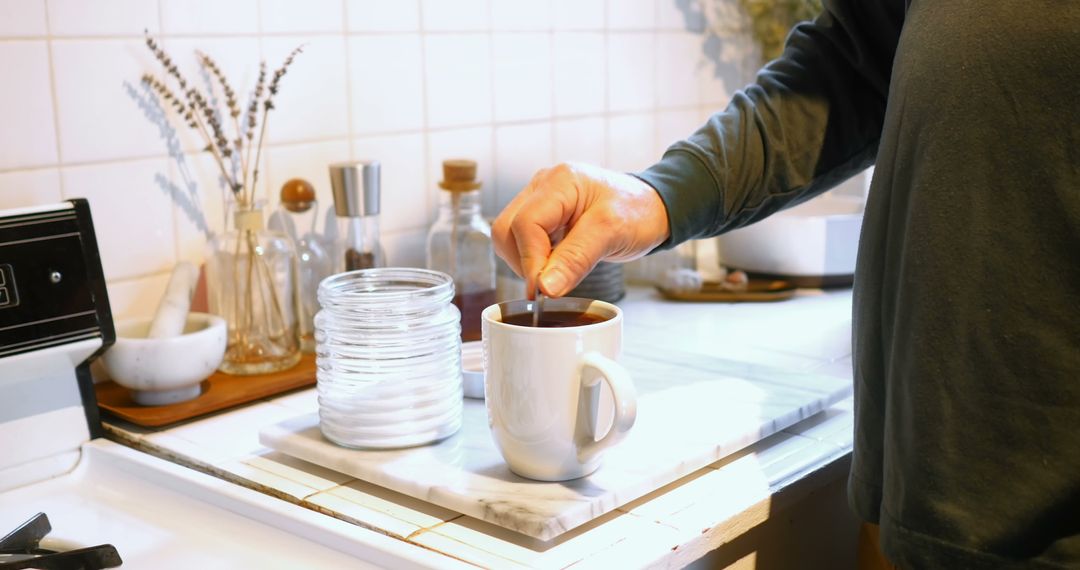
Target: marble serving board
{"type": "Point", "coordinates": [692, 411]}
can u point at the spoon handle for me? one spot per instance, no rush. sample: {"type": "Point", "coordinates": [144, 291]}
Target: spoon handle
{"type": "Point", "coordinates": [538, 307]}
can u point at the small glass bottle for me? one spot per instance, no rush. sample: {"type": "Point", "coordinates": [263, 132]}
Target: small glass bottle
{"type": "Point", "coordinates": [459, 244]}
{"type": "Point", "coordinates": [356, 207]}
{"type": "Point", "coordinates": [297, 217]}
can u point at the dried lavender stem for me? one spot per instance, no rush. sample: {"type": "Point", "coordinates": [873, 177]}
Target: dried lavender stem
{"type": "Point", "coordinates": [213, 150]}
{"type": "Point", "coordinates": [258, 153]}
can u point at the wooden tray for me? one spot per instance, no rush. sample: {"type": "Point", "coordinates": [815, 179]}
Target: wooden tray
{"type": "Point", "coordinates": [757, 291]}
{"type": "Point", "coordinates": [220, 392]}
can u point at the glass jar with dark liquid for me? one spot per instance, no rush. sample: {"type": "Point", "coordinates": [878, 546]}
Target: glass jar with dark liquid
{"type": "Point", "coordinates": [355, 228]}
{"type": "Point", "coordinates": [459, 244]}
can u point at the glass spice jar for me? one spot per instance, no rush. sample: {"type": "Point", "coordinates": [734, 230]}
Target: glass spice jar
{"type": "Point", "coordinates": [388, 356]}
{"type": "Point", "coordinates": [459, 243]}
{"type": "Point", "coordinates": [356, 207]}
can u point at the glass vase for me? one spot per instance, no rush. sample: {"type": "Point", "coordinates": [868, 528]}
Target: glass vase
{"type": "Point", "coordinates": [251, 283]}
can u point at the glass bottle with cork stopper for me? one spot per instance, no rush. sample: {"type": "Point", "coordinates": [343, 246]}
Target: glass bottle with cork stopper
{"type": "Point", "coordinates": [459, 244]}
{"type": "Point", "coordinates": [356, 207]}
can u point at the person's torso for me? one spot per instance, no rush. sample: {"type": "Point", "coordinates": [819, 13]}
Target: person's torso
{"type": "Point", "coordinates": [967, 318]}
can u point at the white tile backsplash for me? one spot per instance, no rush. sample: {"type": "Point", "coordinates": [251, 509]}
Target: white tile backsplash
{"type": "Point", "coordinates": [290, 16]}
{"type": "Point", "coordinates": [386, 84]}
{"type": "Point", "coordinates": [138, 297]}
{"type": "Point", "coordinates": [630, 71]}
{"type": "Point", "coordinates": [455, 15]}
{"type": "Point", "coordinates": [198, 196]}
{"type": "Point", "coordinates": [383, 15]}
{"type": "Point", "coordinates": [313, 102]}
{"type": "Point", "coordinates": [457, 79]}
{"type": "Point", "coordinates": [677, 73]}
{"type": "Point", "coordinates": [133, 215]}
{"type": "Point", "coordinates": [578, 14]}
{"type": "Point", "coordinates": [210, 16]}
{"type": "Point", "coordinates": [103, 111]}
{"type": "Point", "coordinates": [580, 80]}
{"type": "Point", "coordinates": [520, 151]}
{"type": "Point", "coordinates": [513, 84]}
{"type": "Point", "coordinates": [22, 18]}
{"type": "Point", "coordinates": [522, 63]}
{"type": "Point", "coordinates": [632, 14]}
{"type": "Point", "coordinates": [404, 190]}
{"type": "Point", "coordinates": [518, 15]}
{"type": "Point", "coordinates": [631, 142]}
{"type": "Point", "coordinates": [581, 140]}
{"type": "Point", "coordinates": [27, 129]}
{"type": "Point", "coordinates": [102, 17]}
{"type": "Point", "coordinates": [22, 188]}
{"type": "Point", "coordinates": [675, 125]}
{"type": "Point", "coordinates": [406, 249]}
{"type": "Point", "coordinates": [680, 15]}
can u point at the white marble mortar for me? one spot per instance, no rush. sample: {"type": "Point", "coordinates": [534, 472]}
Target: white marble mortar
{"type": "Point", "coordinates": [161, 371]}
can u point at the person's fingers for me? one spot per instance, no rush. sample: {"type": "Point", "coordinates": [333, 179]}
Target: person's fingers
{"type": "Point", "coordinates": [501, 235]}
{"type": "Point", "coordinates": [541, 218]}
{"type": "Point", "coordinates": [576, 255]}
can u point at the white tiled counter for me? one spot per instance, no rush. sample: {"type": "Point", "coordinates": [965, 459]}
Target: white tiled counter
{"type": "Point", "coordinates": [671, 527]}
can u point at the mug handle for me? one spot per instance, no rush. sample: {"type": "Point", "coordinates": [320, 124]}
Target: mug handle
{"type": "Point", "coordinates": [624, 394]}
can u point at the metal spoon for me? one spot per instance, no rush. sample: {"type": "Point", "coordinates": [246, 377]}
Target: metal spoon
{"type": "Point", "coordinates": [538, 307]}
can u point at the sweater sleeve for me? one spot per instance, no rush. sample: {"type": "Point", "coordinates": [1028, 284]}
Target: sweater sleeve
{"type": "Point", "coordinates": [811, 119]}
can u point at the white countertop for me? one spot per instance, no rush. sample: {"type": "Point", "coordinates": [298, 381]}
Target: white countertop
{"type": "Point", "coordinates": [670, 527]}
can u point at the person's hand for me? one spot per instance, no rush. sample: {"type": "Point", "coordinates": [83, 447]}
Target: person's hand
{"type": "Point", "coordinates": [588, 214]}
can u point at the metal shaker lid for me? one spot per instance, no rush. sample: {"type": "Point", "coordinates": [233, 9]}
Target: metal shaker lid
{"type": "Point", "coordinates": [356, 187]}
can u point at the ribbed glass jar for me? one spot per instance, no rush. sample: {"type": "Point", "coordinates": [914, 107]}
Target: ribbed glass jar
{"type": "Point", "coordinates": [388, 352]}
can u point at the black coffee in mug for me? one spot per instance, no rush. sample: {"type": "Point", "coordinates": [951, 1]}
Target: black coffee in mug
{"type": "Point", "coordinates": [555, 319]}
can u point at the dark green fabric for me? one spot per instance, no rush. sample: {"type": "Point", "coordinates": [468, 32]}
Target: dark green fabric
{"type": "Point", "coordinates": [966, 333]}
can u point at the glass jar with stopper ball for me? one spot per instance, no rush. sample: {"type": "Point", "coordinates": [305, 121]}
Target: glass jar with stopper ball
{"type": "Point", "coordinates": [459, 244]}
{"type": "Point", "coordinates": [297, 217]}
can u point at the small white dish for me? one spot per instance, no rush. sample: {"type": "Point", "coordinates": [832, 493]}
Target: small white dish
{"type": "Point", "coordinates": [161, 371]}
{"type": "Point", "coordinates": [472, 369]}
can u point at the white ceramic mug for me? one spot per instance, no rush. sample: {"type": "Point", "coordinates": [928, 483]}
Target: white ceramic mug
{"type": "Point", "coordinates": [543, 386]}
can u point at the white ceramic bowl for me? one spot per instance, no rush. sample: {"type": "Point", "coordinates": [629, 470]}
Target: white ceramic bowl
{"type": "Point", "coordinates": [472, 369]}
{"type": "Point", "coordinates": [161, 371]}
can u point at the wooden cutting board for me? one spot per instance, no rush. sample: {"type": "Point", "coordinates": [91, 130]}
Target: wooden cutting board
{"type": "Point", "coordinates": [220, 392]}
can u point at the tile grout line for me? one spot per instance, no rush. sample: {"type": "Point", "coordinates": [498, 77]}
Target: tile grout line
{"type": "Point", "coordinates": [496, 190]}
{"type": "Point", "coordinates": [606, 113]}
{"type": "Point", "coordinates": [348, 79]}
{"type": "Point", "coordinates": [346, 138]}
{"type": "Point", "coordinates": [325, 32]}
{"type": "Point", "coordinates": [266, 176]}
{"type": "Point", "coordinates": [424, 117]}
{"type": "Point", "coordinates": [655, 82]}
{"type": "Point", "coordinates": [551, 81]}
{"type": "Point", "coordinates": [55, 101]}
{"type": "Point", "coordinates": [170, 167]}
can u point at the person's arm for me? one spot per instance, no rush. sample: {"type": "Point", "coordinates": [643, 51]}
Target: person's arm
{"type": "Point", "coordinates": [812, 119]}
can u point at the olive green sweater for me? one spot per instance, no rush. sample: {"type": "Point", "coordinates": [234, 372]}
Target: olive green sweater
{"type": "Point", "coordinates": [967, 290]}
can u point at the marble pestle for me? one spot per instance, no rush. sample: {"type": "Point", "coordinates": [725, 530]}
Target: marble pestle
{"type": "Point", "coordinates": [172, 311]}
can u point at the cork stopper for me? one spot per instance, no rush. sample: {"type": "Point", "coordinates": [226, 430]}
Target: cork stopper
{"type": "Point", "coordinates": [459, 175]}
{"type": "Point", "coordinates": [297, 195]}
